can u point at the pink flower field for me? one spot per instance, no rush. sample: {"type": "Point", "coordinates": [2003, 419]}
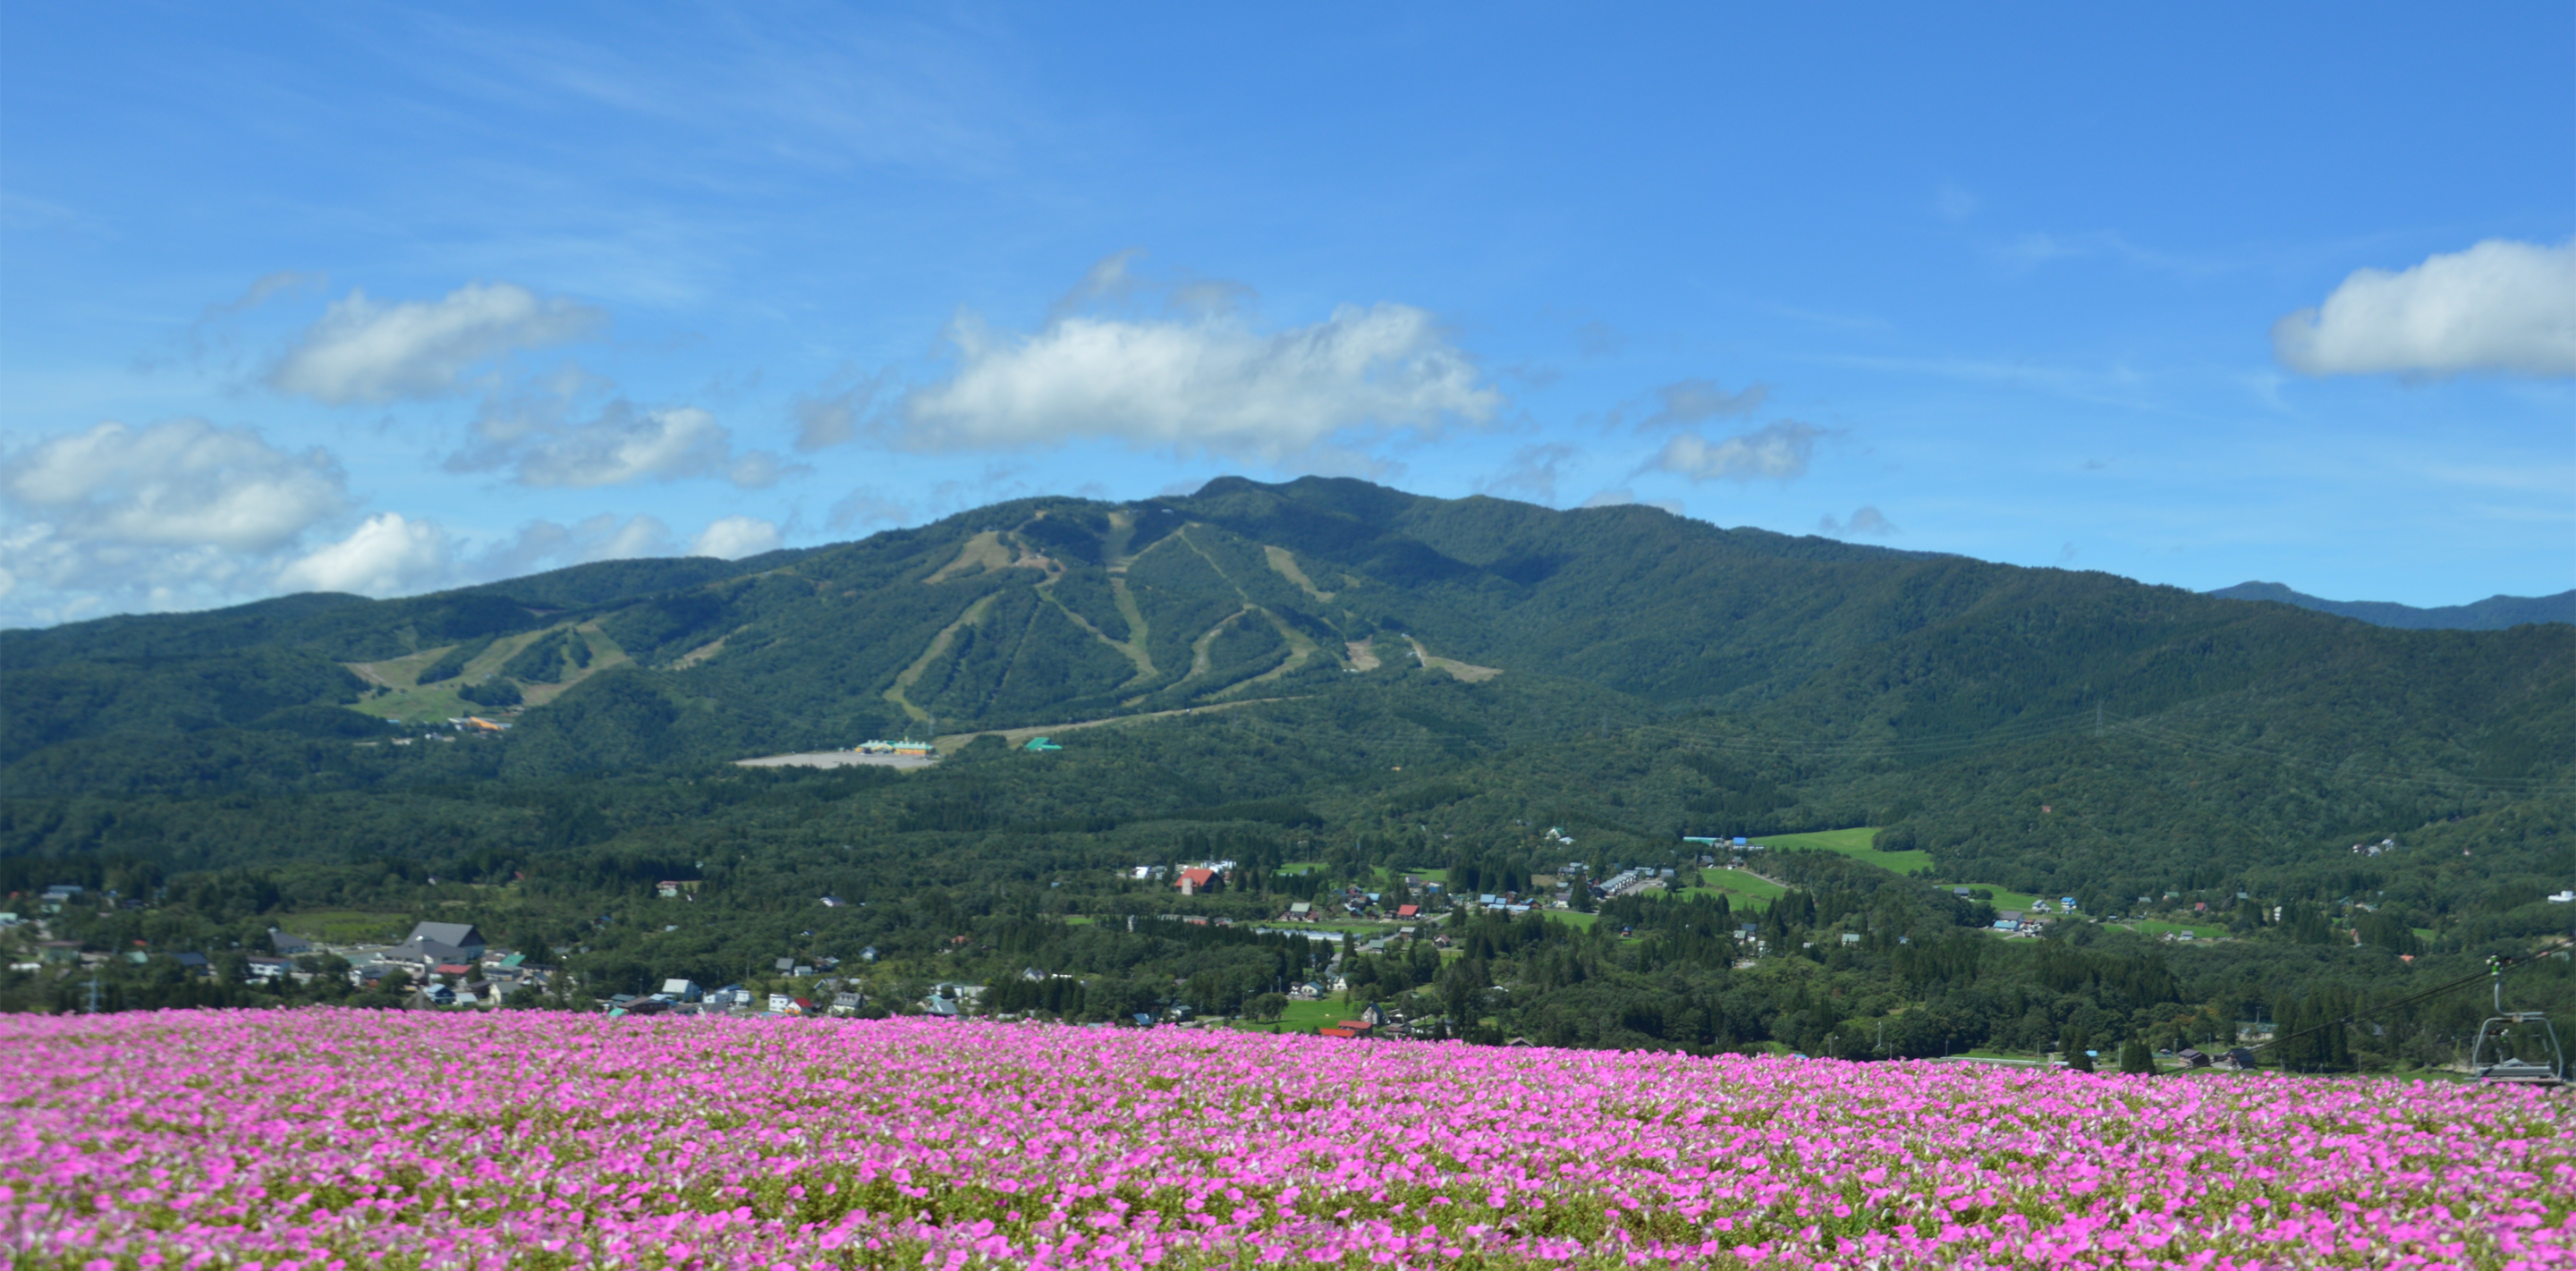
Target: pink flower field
{"type": "Point", "coordinates": [327, 1139]}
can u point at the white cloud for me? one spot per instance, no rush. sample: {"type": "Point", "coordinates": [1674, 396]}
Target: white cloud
{"type": "Point", "coordinates": [1197, 380]}
{"type": "Point", "coordinates": [364, 351]}
{"type": "Point", "coordinates": [183, 483]}
{"type": "Point", "coordinates": [735, 537]}
{"type": "Point", "coordinates": [176, 515]}
{"type": "Point", "coordinates": [388, 555]}
{"type": "Point", "coordinates": [1779, 450]}
{"type": "Point", "coordinates": [2499, 306]}
{"type": "Point", "coordinates": [1866, 521]}
{"type": "Point", "coordinates": [623, 443]}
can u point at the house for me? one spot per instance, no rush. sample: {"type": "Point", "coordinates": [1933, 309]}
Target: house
{"type": "Point", "coordinates": [286, 946]}
{"type": "Point", "coordinates": [675, 888]}
{"type": "Point", "coordinates": [781, 1004]}
{"type": "Point", "coordinates": [270, 970]}
{"type": "Point", "coordinates": [1374, 1016]}
{"type": "Point", "coordinates": [194, 964]}
{"type": "Point", "coordinates": [1408, 911]}
{"type": "Point", "coordinates": [846, 1003]}
{"type": "Point", "coordinates": [682, 990]}
{"type": "Point", "coordinates": [784, 965]}
{"type": "Point", "coordinates": [435, 942]}
{"type": "Point", "coordinates": [2567, 897]}
{"type": "Point", "coordinates": [1041, 745]}
{"type": "Point", "coordinates": [1194, 881]}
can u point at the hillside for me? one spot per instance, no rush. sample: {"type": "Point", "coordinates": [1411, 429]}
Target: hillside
{"type": "Point", "coordinates": [1473, 690]}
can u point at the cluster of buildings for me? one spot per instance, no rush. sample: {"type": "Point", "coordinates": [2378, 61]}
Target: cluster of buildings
{"type": "Point", "coordinates": [446, 963]}
{"type": "Point", "coordinates": [830, 996]}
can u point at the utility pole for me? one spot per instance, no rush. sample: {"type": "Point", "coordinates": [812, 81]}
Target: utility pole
{"type": "Point", "coordinates": [2097, 719]}
{"type": "Point", "coordinates": [93, 990]}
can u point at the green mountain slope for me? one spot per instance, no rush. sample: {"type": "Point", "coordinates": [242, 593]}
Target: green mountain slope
{"type": "Point", "coordinates": [1338, 686]}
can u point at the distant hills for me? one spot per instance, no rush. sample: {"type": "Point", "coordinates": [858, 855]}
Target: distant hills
{"type": "Point", "coordinates": [2495, 613]}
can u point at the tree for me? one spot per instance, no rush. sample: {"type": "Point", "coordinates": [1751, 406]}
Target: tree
{"type": "Point", "coordinates": [2073, 1042]}
{"type": "Point", "coordinates": [2136, 1058]}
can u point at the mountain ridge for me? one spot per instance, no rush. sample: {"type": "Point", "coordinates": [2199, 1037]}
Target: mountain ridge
{"type": "Point", "coordinates": [2494, 613]}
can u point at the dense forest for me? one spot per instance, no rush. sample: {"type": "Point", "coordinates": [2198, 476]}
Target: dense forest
{"type": "Point", "coordinates": [1342, 690]}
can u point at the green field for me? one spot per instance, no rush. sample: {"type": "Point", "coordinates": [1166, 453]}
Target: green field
{"type": "Point", "coordinates": [2000, 898]}
{"type": "Point", "coordinates": [1300, 1017]}
{"type": "Point", "coordinates": [344, 926]}
{"type": "Point", "coordinates": [1853, 843]}
{"type": "Point", "coordinates": [1573, 919]}
{"type": "Point", "coordinates": [1741, 889]}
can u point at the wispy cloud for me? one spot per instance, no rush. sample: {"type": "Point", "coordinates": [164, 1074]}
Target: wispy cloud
{"type": "Point", "coordinates": [1533, 473]}
{"type": "Point", "coordinates": [1689, 401]}
{"type": "Point", "coordinates": [1866, 521]}
{"type": "Point", "coordinates": [366, 351]}
{"type": "Point", "coordinates": [1779, 451]}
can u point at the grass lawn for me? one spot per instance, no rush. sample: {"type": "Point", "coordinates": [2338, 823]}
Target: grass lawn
{"type": "Point", "coordinates": [345, 926]}
{"type": "Point", "coordinates": [1853, 843]}
{"type": "Point", "coordinates": [2000, 1057]}
{"type": "Point", "coordinates": [1300, 1017]}
{"type": "Point", "coordinates": [1741, 890]}
{"type": "Point", "coordinates": [1573, 919]}
{"type": "Point", "coordinates": [1294, 868]}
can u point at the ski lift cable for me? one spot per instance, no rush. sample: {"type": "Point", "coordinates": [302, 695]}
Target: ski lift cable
{"type": "Point", "coordinates": [2499, 967]}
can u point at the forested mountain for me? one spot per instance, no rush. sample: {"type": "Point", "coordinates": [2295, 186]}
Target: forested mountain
{"type": "Point", "coordinates": [2494, 613]}
{"type": "Point", "coordinates": [1336, 684]}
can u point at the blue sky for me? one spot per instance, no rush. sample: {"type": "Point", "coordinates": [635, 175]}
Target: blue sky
{"type": "Point", "coordinates": [386, 299]}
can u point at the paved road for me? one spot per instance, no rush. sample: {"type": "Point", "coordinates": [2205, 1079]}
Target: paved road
{"type": "Point", "coordinates": [836, 759]}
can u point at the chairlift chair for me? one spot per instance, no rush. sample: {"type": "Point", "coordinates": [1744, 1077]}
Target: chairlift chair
{"type": "Point", "coordinates": [2507, 1037]}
